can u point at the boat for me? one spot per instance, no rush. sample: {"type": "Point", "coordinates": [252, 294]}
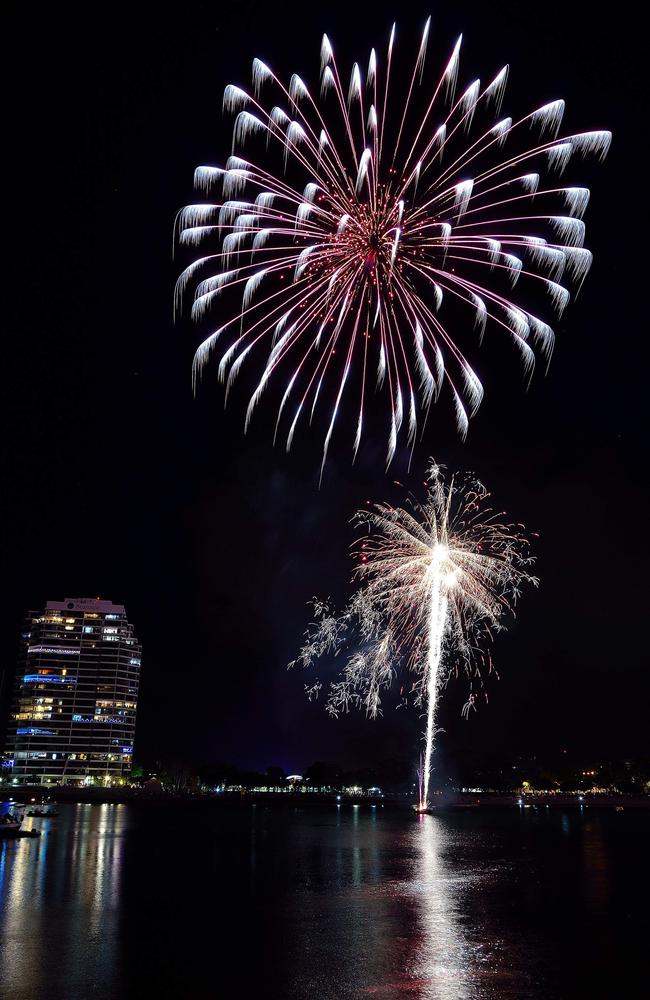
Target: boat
{"type": "Point", "coordinates": [10, 824]}
{"type": "Point", "coordinates": [444, 806]}
{"type": "Point", "coordinates": [42, 813]}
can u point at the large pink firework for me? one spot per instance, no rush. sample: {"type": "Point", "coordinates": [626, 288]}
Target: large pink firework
{"type": "Point", "coordinates": [380, 225]}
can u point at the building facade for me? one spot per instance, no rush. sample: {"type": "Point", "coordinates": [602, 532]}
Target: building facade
{"type": "Point", "coordinates": [75, 697]}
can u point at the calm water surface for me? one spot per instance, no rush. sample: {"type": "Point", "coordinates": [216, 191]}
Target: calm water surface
{"type": "Point", "coordinates": [326, 903]}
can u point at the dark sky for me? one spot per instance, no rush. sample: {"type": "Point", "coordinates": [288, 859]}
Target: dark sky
{"type": "Point", "coordinates": [120, 483]}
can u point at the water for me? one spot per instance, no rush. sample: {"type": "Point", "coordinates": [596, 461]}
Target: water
{"type": "Point", "coordinates": [331, 903]}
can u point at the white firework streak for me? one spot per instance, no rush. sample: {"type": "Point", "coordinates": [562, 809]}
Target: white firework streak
{"type": "Point", "coordinates": [355, 216]}
{"type": "Point", "coordinates": [434, 584]}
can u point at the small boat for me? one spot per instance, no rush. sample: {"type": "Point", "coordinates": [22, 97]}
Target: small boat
{"type": "Point", "coordinates": [11, 827]}
{"type": "Point", "coordinates": [42, 813]}
{"type": "Point", "coordinates": [438, 807]}
{"type": "Point", "coordinates": [10, 824]}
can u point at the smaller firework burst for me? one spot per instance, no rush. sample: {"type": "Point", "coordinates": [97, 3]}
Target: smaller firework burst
{"type": "Point", "coordinates": [435, 582]}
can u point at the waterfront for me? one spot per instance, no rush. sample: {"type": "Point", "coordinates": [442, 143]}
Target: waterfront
{"type": "Point", "coordinates": [356, 901]}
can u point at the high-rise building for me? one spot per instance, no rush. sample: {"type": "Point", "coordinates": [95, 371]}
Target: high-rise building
{"type": "Point", "coordinates": [75, 697]}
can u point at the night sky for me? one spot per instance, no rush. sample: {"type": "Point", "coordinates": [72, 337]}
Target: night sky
{"type": "Point", "coordinates": [119, 483]}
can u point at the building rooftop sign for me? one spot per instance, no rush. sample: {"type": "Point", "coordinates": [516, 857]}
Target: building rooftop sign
{"type": "Point", "coordinates": [85, 604]}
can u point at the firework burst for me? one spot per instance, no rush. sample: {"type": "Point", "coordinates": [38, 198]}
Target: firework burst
{"type": "Point", "coordinates": [377, 227]}
{"type": "Point", "coordinates": [435, 582]}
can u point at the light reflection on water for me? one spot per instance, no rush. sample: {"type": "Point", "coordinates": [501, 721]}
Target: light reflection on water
{"type": "Point", "coordinates": [59, 898]}
{"type": "Point", "coordinates": [444, 960]}
{"type": "Point", "coordinates": [332, 903]}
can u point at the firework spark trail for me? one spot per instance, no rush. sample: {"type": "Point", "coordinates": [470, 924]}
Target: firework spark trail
{"type": "Point", "coordinates": [361, 215]}
{"type": "Point", "coordinates": [435, 582]}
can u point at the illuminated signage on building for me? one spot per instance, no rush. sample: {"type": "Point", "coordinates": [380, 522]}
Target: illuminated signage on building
{"type": "Point", "coordinates": [53, 649]}
{"type": "Point", "coordinates": [48, 679]}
